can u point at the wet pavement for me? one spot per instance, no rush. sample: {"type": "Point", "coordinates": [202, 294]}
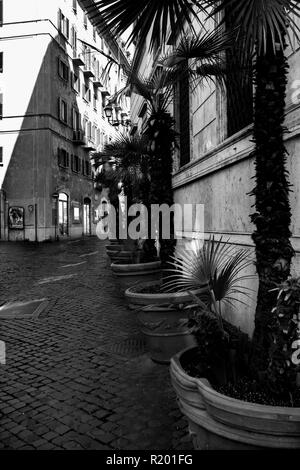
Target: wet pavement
{"type": "Point", "coordinates": [77, 376]}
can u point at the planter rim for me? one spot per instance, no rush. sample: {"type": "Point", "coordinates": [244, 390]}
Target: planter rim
{"type": "Point", "coordinates": [205, 386]}
{"type": "Point", "coordinates": [135, 266]}
{"type": "Point", "coordinates": [163, 296]}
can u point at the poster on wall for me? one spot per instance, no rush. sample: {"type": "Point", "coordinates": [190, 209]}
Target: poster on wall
{"type": "Point", "coordinates": [16, 218]}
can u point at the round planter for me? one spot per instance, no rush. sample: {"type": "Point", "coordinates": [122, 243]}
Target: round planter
{"type": "Point", "coordinates": [137, 300]}
{"type": "Point", "coordinates": [130, 274]}
{"type": "Point", "coordinates": [114, 248]}
{"type": "Point", "coordinates": [123, 256]}
{"type": "Point", "coordinates": [115, 242]}
{"type": "Point", "coordinates": [219, 422]}
{"type": "Point", "coordinates": [165, 331]}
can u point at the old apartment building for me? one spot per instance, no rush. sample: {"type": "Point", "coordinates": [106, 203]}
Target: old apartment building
{"type": "Point", "coordinates": [52, 117]}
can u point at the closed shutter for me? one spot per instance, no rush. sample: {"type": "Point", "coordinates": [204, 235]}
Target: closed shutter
{"type": "Point", "coordinates": [59, 156]}
{"type": "Point", "coordinates": [184, 120]}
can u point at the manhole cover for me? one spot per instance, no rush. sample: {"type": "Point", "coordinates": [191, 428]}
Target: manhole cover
{"type": "Point", "coordinates": [130, 347]}
{"type": "Point", "coordinates": [29, 309]}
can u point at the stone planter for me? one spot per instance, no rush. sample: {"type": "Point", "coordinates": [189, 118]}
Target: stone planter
{"type": "Point", "coordinates": [130, 274]}
{"type": "Point", "coordinates": [165, 331]}
{"type": "Point", "coordinates": [137, 300]}
{"type": "Point", "coordinates": [219, 422]}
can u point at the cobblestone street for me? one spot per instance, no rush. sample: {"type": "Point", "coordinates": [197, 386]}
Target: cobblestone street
{"type": "Point", "coordinates": [78, 377]}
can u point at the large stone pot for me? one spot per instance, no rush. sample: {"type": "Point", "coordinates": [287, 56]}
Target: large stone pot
{"type": "Point", "coordinates": [166, 331]}
{"type": "Point", "coordinates": [129, 274]}
{"type": "Point", "coordinates": [137, 300]}
{"type": "Point", "coordinates": [219, 422]}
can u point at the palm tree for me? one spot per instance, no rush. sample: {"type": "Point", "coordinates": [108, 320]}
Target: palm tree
{"type": "Point", "coordinates": [130, 160]}
{"type": "Point", "coordinates": [262, 27]}
{"type": "Point", "coordinates": [262, 34]}
{"type": "Point", "coordinates": [160, 137]}
{"type": "Point", "coordinates": [158, 93]}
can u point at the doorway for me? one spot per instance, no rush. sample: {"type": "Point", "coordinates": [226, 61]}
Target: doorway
{"type": "Point", "coordinates": [63, 214]}
{"type": "Point", "coordinates": [87, 216]}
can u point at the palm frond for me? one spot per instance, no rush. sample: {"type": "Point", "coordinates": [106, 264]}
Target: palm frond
{"type": "Point", "coordinates": [260, 20]}
{"type": "Point", "coordinates": [216, 268]}
{"type": "Point", "coordinates": [148, 15]}
{"type": "Point", "coordinates": [205, 48]}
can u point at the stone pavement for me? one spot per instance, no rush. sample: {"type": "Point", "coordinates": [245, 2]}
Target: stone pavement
{"type": "Point", "coordinates": [77, 377]}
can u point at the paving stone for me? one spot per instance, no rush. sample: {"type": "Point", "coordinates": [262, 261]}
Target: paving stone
{"type": "Point", "coordinates": [62, 386]}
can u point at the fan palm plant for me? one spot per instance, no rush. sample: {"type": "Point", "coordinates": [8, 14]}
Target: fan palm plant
{"type": "Point", "coordinates": [215, 268]}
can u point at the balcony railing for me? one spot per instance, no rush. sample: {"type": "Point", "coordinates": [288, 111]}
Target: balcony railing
{"type": "Point", "coordinates": [88, 71]}
{"type": "Point", "coordinates": [78, 59]}
{"type": "Point", "coordinates": [89, 145]}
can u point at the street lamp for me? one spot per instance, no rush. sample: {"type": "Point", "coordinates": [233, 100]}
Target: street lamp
{"type": "Point", "coordinates": [108, 111]}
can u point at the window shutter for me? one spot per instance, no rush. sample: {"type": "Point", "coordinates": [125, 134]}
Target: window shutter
{"type": "Point", "coordinates": [59, 19]}
{"type": "Point", "coordinates": [67, 114]}
{"type": "Point", "coordinates": [72, 162]}
{"type": "Point", "coordinates": [59, 108]}
{"type": "Point", "coordinates": [67, 159]}
{"type": "Point", "coordinates": [58, 66]}
{"type": "Point", "coordinates": [67, 27]}
{"type": "Point", "coordinates": [58, 155]}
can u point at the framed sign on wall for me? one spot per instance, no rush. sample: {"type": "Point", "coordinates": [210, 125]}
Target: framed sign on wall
{"type": "Point", "coordinates": [16, 218]}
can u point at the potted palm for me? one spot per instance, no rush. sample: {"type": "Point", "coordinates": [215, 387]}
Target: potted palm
{"type": "Point", "coordinates": [166, 326]}
{"type": "Point", "coordinates": [133, 260]}
{"type": "Point", "coordinates": [229, 405]}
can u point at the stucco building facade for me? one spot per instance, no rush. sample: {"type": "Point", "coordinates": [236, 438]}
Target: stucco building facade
{"type": "Point", "coordinates": [214, 165]}
{"type": "Point", "coordinates": [52, 117]}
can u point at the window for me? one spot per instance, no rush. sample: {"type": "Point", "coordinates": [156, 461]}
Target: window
{"type": "Point", "coordinates": [85, 123]}
{"type": "Point", "coordinates": [75, 82]}
{"type": "Point", "coordinates": [88, 168]}
{"type": "Point", "coordinates": [85, 24]}
{"type": "Point", "coordinates": [239, 90]}
{"type": "Point", "coordinates": [63, 70]}
{"type": "Point", "coordinates": [75, 119]}
{"type": "Point", "coordinates": [74, 41]}
{"type": "Point", "coordinates": [89, 130]}
{"type": "Point", "coordinates": [75, 6]}
{"type": "Point", "coordinates": [184, 117]}
{"type": "Point", "coordinates": [76, 214]}
{"type": "Point", "coordinates": [63, 158]}
{"type": "Point", "coordinates": [63, 24]}
{"type": "Point", "coordinates": [86, 92]}
{"type": "Point", "coordinates": [1, 105]}
{"type": "Point", "coordinates": [1, 156]}
{"type": "Point", "coordinates": [94, 131]}
{"type": "Point", "coordinates": [1, 12]}
{"type": "Point", "coordinates": [63, 110]}
{"type": "Point", "coordinates": [95, 97]}
{"type": "Point", "coordinates": [1, 62]}
{"type": "Point", "coordinates": [98, 134]}
{"type": "Point", "coordinates": [75, 163]}
{"type": "Point", "coordinates": [87, 58]}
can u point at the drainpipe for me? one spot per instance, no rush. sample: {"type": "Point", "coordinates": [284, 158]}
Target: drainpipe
{"type": "Point", "coordinates": [35, 222]}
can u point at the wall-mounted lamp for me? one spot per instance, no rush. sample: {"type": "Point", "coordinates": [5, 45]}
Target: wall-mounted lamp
{"type": "Point", "coordinates": [108, 111]}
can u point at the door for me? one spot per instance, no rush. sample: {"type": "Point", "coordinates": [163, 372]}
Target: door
{"type": "Point", "coordinates": [63, 222]}
{"type": "Point", "coordinates": [87, 216]}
